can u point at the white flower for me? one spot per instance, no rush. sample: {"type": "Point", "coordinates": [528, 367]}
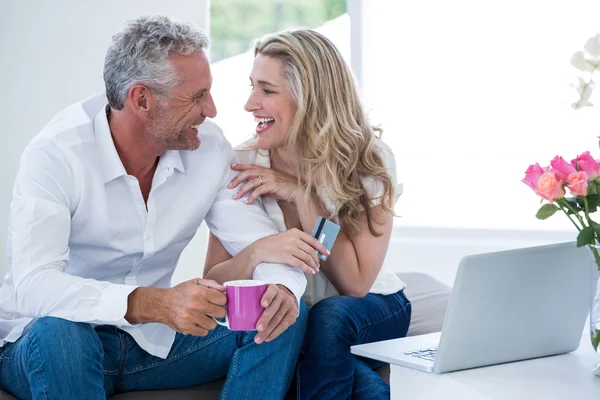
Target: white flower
{"type": "Point", "coordinates": [592, 46]}
{"type": "Point", "coordinates": [583, 63]}
{"type": "Point", "coordinates": [584, 89]}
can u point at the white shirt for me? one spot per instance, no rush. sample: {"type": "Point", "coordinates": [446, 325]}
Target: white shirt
{"type": "Point", "coordinates": [318, 286]}
{"type": "Point", "coordinates": [81, 240]}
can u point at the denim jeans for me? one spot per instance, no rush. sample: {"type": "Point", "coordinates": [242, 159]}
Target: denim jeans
{"type": "Point", "coordinates": [59, 359]}
{"type": "Point", "coordinates": [327, 369]}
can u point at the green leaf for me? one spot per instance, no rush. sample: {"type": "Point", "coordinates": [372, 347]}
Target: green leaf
{"type": "Point", "coordinates": [595, 184]}
{"type": "Point", "coordinates": [546, 211]}
{"type": "Point", "coordinates": [592, 188]}
{"type": "Point", "coordinates": [596, 340]}
{"type": "Point", "coordinates": [585, 237]}
{"type": "Point", "coordinates": [596, 227]}
{"type": "Point", "coordinates": [593, 200]}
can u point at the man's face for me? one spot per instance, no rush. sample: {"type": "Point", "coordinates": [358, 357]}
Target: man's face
{"type": "Point", "coordinates": [175, 121]}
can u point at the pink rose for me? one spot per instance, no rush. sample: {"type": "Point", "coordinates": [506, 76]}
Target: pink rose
{"type": "Point", "coordinates": [562, 168]}
{"type": "Point", "coordinates": [577, 182]}
{"type": "Point", "coordinates": [532, 175]}
{"type": "Point", "coordinates": [549, 187]}
{"type": "Point", "coordinates": [585, 162]}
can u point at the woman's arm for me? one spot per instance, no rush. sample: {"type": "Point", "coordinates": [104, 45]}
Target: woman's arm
{"type": "Point", "coordinates": [293, 247]}
{"type": "Point", "coordinates": [221, 267]}
{"type": "Point", "coordinates": [354, 262]}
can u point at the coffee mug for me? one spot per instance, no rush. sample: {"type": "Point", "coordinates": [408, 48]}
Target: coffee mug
{"type": "Point", "coordinates": [243, 304]}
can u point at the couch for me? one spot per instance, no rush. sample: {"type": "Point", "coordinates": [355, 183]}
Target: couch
{"type": "Point", "coordinates": [429, 298]}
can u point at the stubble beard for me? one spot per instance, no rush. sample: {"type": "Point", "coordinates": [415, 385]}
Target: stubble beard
{"type": "Point", "coordinates": [163, 131]}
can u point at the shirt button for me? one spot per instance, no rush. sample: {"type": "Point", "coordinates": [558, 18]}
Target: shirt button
{"type": "Point", "coordinates": [148, 237]}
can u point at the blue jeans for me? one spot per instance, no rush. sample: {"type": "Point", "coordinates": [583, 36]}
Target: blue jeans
{"type": "Point", "coordinates": [59, 359]}
{"type": "Point", "coordinates": [327, 369]}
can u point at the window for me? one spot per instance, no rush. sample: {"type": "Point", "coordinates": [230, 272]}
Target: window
{"type": "Point", "coordinates": [469, 93]}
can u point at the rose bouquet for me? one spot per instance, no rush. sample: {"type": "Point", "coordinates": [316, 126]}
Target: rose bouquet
{"type": "Point", "coordinates": [581, 177]}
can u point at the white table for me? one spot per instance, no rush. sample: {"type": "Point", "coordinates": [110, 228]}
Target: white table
{"type": "Point", "coordinates": [566, 376]}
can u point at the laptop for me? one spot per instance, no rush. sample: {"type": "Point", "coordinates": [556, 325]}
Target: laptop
{"type": "Point", "coordinates": [505, 306]}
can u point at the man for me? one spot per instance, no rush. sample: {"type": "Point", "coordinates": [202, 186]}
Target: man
{"type": "Point", "coordinates": [106, 198]}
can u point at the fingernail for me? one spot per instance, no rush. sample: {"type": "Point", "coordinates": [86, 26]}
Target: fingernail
{"type": "Point", "coordinates": [259, 328]}
{"type": "Point", "coordinates": [328, 252]}
{"type": "Point", "coordinates": [234, 165]}
{"type": "Point", "coordinates": [247, 201]}
{"type": "Point", "coordinates": [265, 304]}
{"type": "Point", "coordinates": [257, 340]}
{"type": "Point", "coordinates": [235, 196]}
{"type": "Point", "coordinates": [230, 185]}
{"type": "Point", "coordinates": [313, 272]}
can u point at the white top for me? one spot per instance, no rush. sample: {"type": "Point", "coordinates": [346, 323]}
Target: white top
{"type": "Point", "coordinates": [318, 286]}
{"type": "Point", "coordinates": [81, 240]}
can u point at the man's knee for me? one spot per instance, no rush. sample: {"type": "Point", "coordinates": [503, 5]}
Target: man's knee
{"type": "Point", "coordinates": [55, 337]}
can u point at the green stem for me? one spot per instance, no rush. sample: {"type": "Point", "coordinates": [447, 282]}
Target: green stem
{"type": "Point", "coordinates": [587, 211]}
{"type": "Point", "coordinates": [562, 208]}
{"type": "Point", "coordinates": [591, 223]}
{"type": "Point", "coordinates": [566, 203]}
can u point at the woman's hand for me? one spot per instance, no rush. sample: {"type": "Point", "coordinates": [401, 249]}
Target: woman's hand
{"type": "Point", "coordinates": [292, 247]}
{"type": "Point", "coordinates": [264, 181]}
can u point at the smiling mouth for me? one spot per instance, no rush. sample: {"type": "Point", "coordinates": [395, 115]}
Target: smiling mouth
{"type": "Point", "coordinates": [263, 123]}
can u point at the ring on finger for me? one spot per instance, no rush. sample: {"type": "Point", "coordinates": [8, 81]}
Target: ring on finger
{"type": "Point", "coordinates": [260, 179]}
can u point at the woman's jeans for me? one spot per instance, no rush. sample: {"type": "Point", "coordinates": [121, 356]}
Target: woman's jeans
{"type": "Point", "coordinates": [327, 369]}
{"type": "Point", "coordinates": [59, 359]}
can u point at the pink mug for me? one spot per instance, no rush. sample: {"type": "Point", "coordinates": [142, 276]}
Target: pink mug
{"type": "Point", "coordinates": [243, 304]}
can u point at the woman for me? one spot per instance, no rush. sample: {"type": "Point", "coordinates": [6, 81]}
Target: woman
{"type": "Point", "coordinates": [315, 155]}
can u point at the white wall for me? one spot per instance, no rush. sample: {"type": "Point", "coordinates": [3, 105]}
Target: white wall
{"type": "Point", "coordinates": [51, 55]}
{"type": "Point", "coordinates": [437, 251]}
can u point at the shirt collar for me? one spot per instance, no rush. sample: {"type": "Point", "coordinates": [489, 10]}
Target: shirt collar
{"type": "Point", "coordinates": [171, 159]}
{"type": "Point", "coordinates": [111, 162]}
{"type": "Point", "coordinates": [112, 165]}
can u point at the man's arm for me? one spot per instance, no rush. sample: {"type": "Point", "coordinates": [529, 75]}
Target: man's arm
{"type": "Point", "coordinates": [237, 225]}
{"type": "Point", "coordinates": [44, 196]}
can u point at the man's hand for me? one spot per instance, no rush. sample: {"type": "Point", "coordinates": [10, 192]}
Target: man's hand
{"type": "Point", "coordinates": [281, 311]}
{"type": "Point", "coordinates": [189, 306]}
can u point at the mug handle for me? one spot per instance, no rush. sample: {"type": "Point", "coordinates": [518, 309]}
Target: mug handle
{"type": "Point", "coordinates": [225, 324]}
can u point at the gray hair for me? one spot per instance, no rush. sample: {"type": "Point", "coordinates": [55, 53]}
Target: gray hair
{"type": "Point", "coordinates": [139, 54]}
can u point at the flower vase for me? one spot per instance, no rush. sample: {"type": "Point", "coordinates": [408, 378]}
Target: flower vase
{"type": "Point", "coordinates": [595, 308]}
{"type": "Point", "coordinates": [595, 321]}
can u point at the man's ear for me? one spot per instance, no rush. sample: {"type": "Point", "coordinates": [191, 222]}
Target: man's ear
{"type": "Point", "coordinates": [140, 98]}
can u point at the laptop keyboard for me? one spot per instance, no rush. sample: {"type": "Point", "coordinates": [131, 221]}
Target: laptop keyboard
{"type": "Point", "coordinates": [425, 354]}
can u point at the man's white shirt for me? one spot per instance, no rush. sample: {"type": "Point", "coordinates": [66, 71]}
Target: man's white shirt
{"type": "Point", "coordinates": [80, 236]}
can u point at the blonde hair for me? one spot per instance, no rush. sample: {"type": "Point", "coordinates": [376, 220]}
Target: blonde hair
{"type": "Point", "coordinates": [330, 134]}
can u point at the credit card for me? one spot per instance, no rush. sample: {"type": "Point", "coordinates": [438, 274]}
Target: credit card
{"type": "Point", "coordinates": [325, 232]}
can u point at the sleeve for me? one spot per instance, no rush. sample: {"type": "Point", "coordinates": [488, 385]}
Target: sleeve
{"type": "Point", "coordinates": [373, 186]}
{"type": "Point", "coordinates": [44, 197]}
{"type": "Point", "coordinates": [238, 225]}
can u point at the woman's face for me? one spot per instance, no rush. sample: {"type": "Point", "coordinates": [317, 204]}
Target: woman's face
{"type": "Point", "coordinates": [271, 102]}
